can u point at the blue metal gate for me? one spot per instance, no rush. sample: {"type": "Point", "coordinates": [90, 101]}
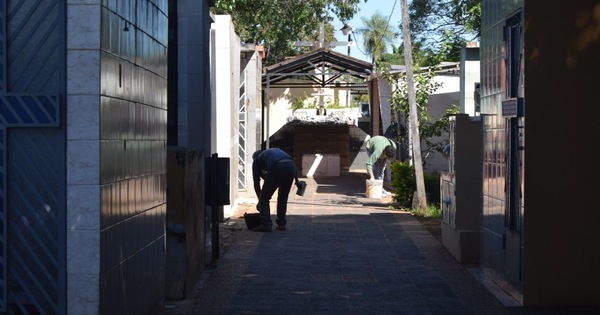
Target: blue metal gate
{"type": "Point", "coordinates": [32, 157]}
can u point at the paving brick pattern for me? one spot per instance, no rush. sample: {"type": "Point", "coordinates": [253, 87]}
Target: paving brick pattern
{"type": "Point", "coordinates": [341, 254]}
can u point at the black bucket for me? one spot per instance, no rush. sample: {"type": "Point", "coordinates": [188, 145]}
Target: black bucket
{"type": "Point", "coordinates": [252, 220]}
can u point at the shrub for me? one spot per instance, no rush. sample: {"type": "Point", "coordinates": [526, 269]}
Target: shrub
{"type": "Point", "coordinates": [404, 184]}
{"type": "Point", "coordinates": [432, 188]}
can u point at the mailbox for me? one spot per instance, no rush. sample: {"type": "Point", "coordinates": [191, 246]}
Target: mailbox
{"type": "Point", "coordinates": [217, 181]}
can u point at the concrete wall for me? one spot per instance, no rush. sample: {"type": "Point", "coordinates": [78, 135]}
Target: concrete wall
{"type": "Point", "coordinates": [561, 260]}
{"type": "Point", "coordinates": [461, 190]}
{"type": "Point", "coordinates": [441, 100]}
{"type": "Point", "coordinates": [384, 93]}
{"type": "Point", "coordinates": [226, 82]}
{"type": "Point", "coordinates": [469, 75]}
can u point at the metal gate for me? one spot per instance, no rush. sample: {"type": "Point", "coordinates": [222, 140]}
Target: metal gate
{"type": "Point", "coordinates": [242, 131]}
{"type": "Point", "coordinates": [32, 157]}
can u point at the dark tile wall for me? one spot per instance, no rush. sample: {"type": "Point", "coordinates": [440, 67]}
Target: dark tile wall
{"type": "Point", "coordinates": [133, 134]}
{"type": "Point", "coordinates": [493, 258]}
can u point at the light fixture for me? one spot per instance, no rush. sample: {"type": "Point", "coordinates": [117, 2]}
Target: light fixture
{"type": "Point", "coordinates": [347, 29]}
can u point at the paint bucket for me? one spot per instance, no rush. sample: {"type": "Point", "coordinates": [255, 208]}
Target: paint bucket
{"type": "Point", "coordinates": [374, 188]}
{"type": "Point", "coordinates": [252, 220]}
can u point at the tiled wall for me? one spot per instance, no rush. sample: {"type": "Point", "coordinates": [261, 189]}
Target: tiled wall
{"type": "Point", "coordinates": [493, 88]}
{"type": "Point", "coordinates": [117, 83]}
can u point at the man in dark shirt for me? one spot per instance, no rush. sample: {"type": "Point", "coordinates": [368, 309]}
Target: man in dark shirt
{"type": "Point", "coordinates": [278, 171]}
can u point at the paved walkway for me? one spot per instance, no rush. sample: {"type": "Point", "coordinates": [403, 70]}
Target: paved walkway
{"type": "Point", "coordinates": [341, 254]}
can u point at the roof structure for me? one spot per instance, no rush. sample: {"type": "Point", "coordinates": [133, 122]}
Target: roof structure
{"type": "Point", "coordinates": [321, 67]}
{"type": "Point", "coordinates": [443, 68]}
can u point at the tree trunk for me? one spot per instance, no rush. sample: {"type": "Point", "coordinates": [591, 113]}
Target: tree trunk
{"type": "Point", "coordinates": [414, 120]}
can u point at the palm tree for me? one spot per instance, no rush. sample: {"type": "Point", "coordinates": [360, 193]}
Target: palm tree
{"type": "Point", "coordinates": [377, 34]}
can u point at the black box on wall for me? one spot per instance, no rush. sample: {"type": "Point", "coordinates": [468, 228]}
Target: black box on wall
{"type": "Point", "coordinates": [217, 181]}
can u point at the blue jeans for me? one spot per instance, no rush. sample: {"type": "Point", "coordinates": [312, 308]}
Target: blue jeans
{"type": "Point", "coordinates": [378, 167]}
{"type": "Point", "coordinates": [280, 177]}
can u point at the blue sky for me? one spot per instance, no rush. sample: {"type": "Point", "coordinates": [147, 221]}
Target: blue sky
{"type": "Point", "coordinates": [385, 7]}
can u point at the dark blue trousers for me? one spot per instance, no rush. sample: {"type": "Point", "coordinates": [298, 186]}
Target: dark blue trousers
{"type": "Point", "coordinates": [280, 178]}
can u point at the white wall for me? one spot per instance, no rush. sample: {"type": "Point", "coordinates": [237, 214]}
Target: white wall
{"type": "Point", "coordinates": [441, 100]}
{"type": "Point", "coordinates": [469, 75]}
{"type": "Point", "coordinates": [226, 83]}
{"type": "Point", "coordinates": [385, 92]}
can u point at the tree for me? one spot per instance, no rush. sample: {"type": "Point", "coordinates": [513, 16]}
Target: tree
{"type": "Point", "coordinates": [422, 56]}
{"type": "Point", "coordinates": [431, 19]}
{"type": "Point", "coordinates": [439, 30]}
{"type": "Point", "coordinates": [414, 125]}
{"type": "Point", "coordinates": [278, 23]}
{"type": "Point", "coordinates": [396, 57]}
{"type": "Point", "coordinates": [328, 36]}
{"type": "Point", "coordinates": [377, 34]}
{"type": "Point", "coordinates": [429, 128]}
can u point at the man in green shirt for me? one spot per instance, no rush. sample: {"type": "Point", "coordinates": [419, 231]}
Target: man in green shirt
{"type": "Point", "coordinates": [379, 150]}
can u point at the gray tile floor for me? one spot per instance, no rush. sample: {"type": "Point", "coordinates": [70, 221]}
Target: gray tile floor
{"type": "Point", "coordinates": [341, 254]}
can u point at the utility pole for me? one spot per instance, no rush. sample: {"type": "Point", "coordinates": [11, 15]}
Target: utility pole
{"type": "Point", "coordinates": [347, 30]}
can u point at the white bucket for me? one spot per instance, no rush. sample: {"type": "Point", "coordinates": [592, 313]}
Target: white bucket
{"type": "Point", "coordinates": [374, 188]}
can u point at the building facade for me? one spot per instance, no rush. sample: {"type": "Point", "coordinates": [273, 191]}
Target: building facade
{"type": "Point", "coordinates": [83, 132]}
{"type": "Point", "coordinates": [538, 96]}
{"type": "Point", "coordinates": [116, 100]}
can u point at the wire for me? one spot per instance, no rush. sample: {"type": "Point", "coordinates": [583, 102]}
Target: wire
{"type": "Point", "coordinates": [357, 46]}
{"type": "Point", "coordinates": [389, 18]}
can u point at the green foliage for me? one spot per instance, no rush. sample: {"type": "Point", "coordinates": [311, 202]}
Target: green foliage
{"type": "Point", "coordinates": [377, 34]}
{"type": "Point", "coordinates": [334, 105]}
{"type": "Point", "coordinates": [433, 211]}
{"type": "Point", "coordinates": [439, 30]}
{"type": "Point", "coordinates": [404, 184]}
{"type": "Point", "coordinates": [278, 23]}
{"type": "Point", "coordinates": [396, 57]}
{"type": "Point", "coordinates": [425, 85]}
{"type": "Point", "coordinates": [432, 188]}
{"type": "Point", "coordinates": [431, 18]}
{"type": "Point", "coordinates": [361, 98]}
{"type": "Point", "coordinates": [450, 46]}
{"type": "Point", "coordinates": [434, 129]}
{"type": "Point", "coordinates": [423, 56]}
{"type": "Point", "coordinates": [430, 130]}
{"type": "Point", "coordinates": [301, 102]}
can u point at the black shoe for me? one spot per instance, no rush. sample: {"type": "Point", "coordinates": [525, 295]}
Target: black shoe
{"type": "Point", "coordinates": [263, 228]}
{"type": "Point", "coordinates": [281, 227]}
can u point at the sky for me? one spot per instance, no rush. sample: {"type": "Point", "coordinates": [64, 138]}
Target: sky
{"type": "Point", "coordinates": [388, 8]}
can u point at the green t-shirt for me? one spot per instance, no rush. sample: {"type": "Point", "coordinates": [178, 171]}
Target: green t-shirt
{"type": "Point", "coordinates": [376, 145]}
